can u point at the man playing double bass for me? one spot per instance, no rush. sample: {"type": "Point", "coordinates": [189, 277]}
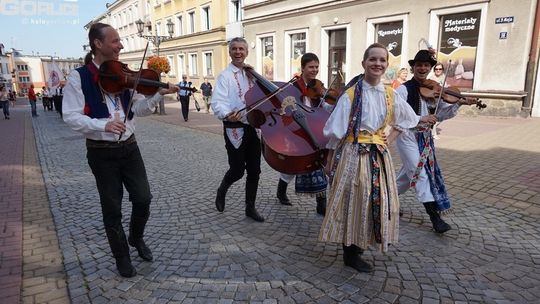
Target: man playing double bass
{"type": "Point", "coordinates": [241, 141]}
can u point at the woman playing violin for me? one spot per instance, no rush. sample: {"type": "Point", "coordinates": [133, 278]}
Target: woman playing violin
{"type": "Point", "coordinates": [112, 151]}
{"type": "Point", "coordinates": [421, 169]}
{"type": "Point", "coordinates": [363, 203]}
{"type": "Point", "coordinates": [313, 183]}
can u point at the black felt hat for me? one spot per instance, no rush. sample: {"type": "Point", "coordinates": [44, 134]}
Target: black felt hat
{"type": "Point", "coordinates": [423, 56]}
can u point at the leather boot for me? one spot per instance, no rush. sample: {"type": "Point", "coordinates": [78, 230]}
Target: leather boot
{"type": "Point", "coordinates": [282, 193]}
{"type": "Point", "coordinates": [120, 250]}
{"type": "Point", "coordinates": [251, 196]}
{"type": "Point", "coordinates": [439, 225]}
{"type": "Point", "coordinates": [351, 258]}
{"type": "Point", "coordinates": [321, 204]}
{"type": "Point", "coordinates": [136, 231]}
{"type": "Point", "coordinates": [252, 212]}
{"type": "Point", "coordinates": [221, 194]}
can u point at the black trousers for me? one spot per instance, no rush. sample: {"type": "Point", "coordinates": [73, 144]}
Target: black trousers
{"type": "Point", "coordinates": [184, 102]}
{"type": "Point", "coordinates": [246, 158]}
{"type": "Point", "coordinates": [115, 167]}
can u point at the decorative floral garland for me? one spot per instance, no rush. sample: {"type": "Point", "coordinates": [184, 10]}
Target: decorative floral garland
{"type": "Point", "coordinates": [159, 64]}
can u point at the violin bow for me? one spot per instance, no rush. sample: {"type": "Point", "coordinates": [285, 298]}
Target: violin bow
{"type": "Point", "coordinates": [135, 84]}
{"type": "Point", "coordinates": [331, 84]}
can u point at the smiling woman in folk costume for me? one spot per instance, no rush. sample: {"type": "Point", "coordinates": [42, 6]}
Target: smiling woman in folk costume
{"type": "Point", "coordinates": [363, 203]}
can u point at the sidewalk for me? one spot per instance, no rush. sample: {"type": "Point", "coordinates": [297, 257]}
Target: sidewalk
{"type": "Point", "coordinates": [31, 268]}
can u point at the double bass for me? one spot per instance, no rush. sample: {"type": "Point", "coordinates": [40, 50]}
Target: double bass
{"type": "Point", "coordinates": [292, 133]}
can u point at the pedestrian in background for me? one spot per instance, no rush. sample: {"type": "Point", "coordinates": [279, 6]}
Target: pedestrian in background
{"type": "Point", "coordinates": [206, 88]}
{"type": "Point", "coordinates": [401, 78]}
{"type": "Point", "coordinates": [112, 150]}
{"type": "Point", "coordinates": [183, 95]}
{"type": "Point", "coordinates": [32, 98]}
{"type": "Point", "coordinates": [4, 101]}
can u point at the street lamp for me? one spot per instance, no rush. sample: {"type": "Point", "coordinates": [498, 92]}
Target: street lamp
{"type": "Point", "coordinates": [155, 39]}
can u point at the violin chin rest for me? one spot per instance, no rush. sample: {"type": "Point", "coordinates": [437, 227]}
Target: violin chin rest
{"type": "Point", "coordinates": [256, 118]}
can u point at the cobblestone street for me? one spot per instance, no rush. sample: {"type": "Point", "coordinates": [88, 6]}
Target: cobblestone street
{"type": "Point", "coordinates": [492, 254]}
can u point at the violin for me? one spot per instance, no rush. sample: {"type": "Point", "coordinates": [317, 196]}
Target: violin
{"type": "Point", "coordinates": [292, 134]}
{"type": "Point", "coordinates": [431, 91]}
{"type": "Point", "coordinates": [316, 89]}
{"type": "Point", "coordinates": [115, 76]}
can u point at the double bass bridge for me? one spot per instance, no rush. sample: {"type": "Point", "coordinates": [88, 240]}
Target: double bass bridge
{"type": "Point", "coordinates": [288, 101]}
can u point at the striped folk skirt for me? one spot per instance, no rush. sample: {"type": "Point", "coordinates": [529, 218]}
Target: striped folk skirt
{"type": "Point", "coordinates": [363, 204]}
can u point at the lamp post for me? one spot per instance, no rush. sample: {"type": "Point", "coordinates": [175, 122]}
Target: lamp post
{"type": "Point", "coordinates": [156, 40]}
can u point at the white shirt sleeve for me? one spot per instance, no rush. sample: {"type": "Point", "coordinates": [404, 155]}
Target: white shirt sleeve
{"type": "Point", "coordinates": [404, 115]}
{"type": "Point", "coordinates": [220, 101]}
{"type": "Point", "coordinates": [337, 123]}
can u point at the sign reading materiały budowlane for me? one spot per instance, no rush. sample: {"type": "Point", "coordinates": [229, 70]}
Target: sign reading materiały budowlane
{"type": "Point", "coordinates": [458, 43]}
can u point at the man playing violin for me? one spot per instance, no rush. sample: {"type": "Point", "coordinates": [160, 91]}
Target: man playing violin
{"type": "Point", "coordinates": [112, 151]}
{"type": "Point", "coordinates": [314, 183]}
{"type": "Point", "coordinates": [241, 140]}
{"type": "Point", "coordinates": [421, 169]}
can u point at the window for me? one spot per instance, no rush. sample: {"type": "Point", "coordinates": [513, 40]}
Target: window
{"type": "Point", "coordinates": [158, 27]}
{"type": "Point", "coordinates": [192, 64]}
{"type": "Point", "coordinates": [267, 57]}
{"type": "Point", "coordinates": [207, 64]}
{"type": "Point", "coordinates": [24, 79]}
{"type": "Point", "coordinates": [181, 64]}
{"type": "Point", "coordinates": [179, 28]}
{"type": "Point", "coordinates": [130, 15]}
{"type": "Point", "coordinates": [236, 11]}
{"type": "Point", "coordinates": [170, 59]}
{"type": "Point", "coordinates": [205, 12]}
{"type": "Point", "coordinates": [191, 22]}
{"type": "Point", "coordinates": [297, 49]}
{"type": "Point", "coordinates": [22, 67]}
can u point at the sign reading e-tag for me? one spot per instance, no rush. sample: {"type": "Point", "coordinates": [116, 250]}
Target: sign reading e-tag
{"type": "Point", "coordinates": [509, 19]}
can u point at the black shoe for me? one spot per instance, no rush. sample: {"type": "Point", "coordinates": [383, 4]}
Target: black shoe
{"type": "Point", "coordinates": [321, 205]}
{"type": "Point", "coordinates": [400, 212]}
{"type": "Point", "coordinates": [359, 264]}
{"type": "Point", "coordinates": [351, 258]}
{"type": "Point", "coordinates": [220, 199]}
{"type": "Point", "coordinates": [123, 264]}
{"type": "Point", "coordinates": [282, 193]}
{"type": "Point", "coordinates": [143, 250]}
{"type": "Point", "coordinates": [252, 213]}
{"type": "Point", "coordinates": [439, 225]}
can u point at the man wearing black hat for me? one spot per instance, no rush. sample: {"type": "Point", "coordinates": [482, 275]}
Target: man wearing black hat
{"type": "Point", "coordinates": [420, 169]}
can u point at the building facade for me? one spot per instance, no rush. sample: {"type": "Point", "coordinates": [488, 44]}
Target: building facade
{"type": "Point", "coordinates": [484, 44]}
{"type": "Point", "coordinates": [198, 47]}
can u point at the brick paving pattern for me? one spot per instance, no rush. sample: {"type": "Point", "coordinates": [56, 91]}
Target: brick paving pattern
{"type": "Point", "coordinates": [492, 255]}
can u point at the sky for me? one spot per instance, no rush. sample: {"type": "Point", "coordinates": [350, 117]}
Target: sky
{"type": "Point", "coordinates": [48, 27]}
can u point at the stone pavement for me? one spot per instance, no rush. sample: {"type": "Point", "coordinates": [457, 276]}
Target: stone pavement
{"type": "Point", "coordinates": [492, 255]}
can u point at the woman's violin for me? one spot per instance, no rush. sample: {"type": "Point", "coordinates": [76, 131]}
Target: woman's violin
{"type": "Point", "coordinates": [431, 90]}
{"type": "Point", "coordinates": [316, 89]}
{"type": "Point", "coordinates": [115, 76]}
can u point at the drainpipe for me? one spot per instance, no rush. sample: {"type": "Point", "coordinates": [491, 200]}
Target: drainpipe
{"type": "Point", "coordinates": [532, 66]}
